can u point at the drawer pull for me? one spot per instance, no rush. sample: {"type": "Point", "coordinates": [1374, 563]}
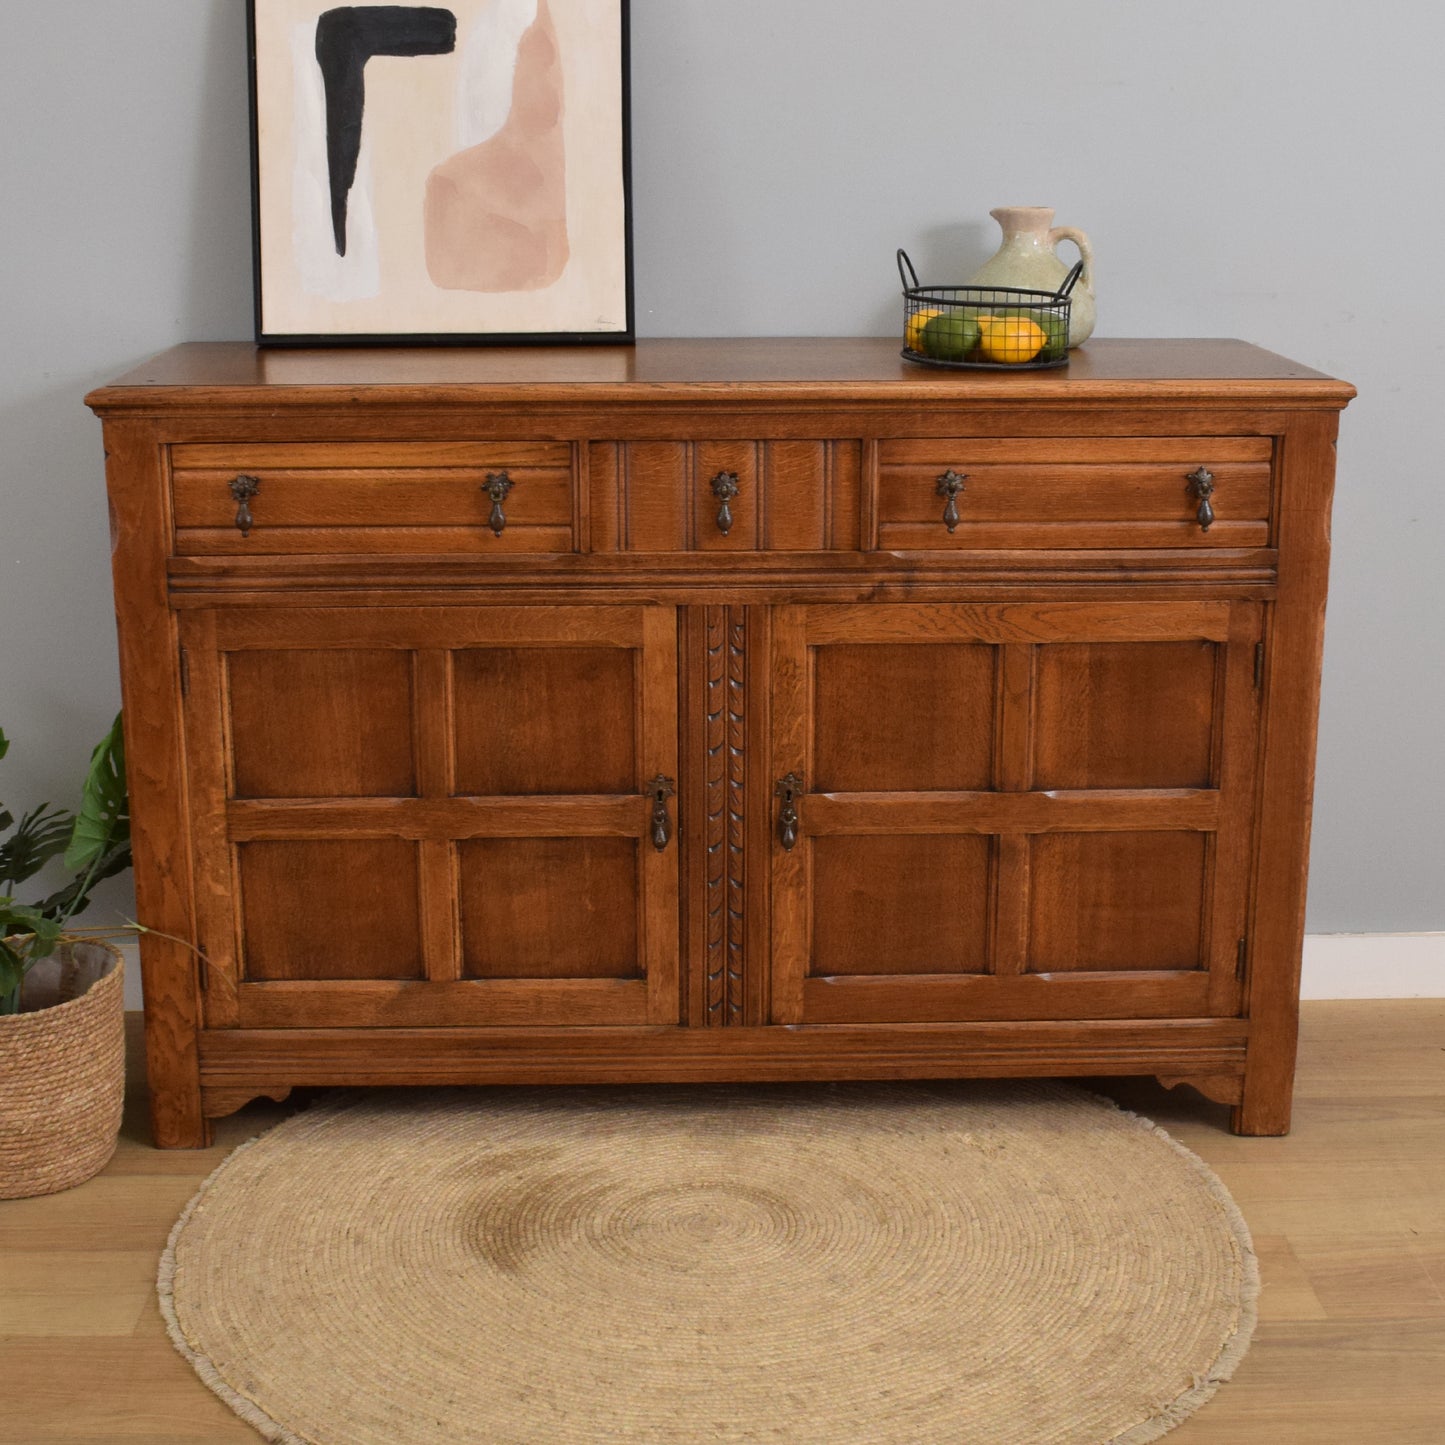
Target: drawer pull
{"type": "Point", "coordinates": [950, 484]}
{"type": "Point", "coordinates": [243, 489]}
{"type": "Point", "coordinates": [725, 487]}
{"type": "Point", "coordinates": [788, 789]}
{"type": "Point", "coordinates": [661, 789]}
{"type": "Point", "coordinates": [1201, 486]}
{"type": "Point", "coordinates": [497, 485]}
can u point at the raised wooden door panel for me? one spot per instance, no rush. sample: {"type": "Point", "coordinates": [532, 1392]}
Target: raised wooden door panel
{"type": "Point", "coordinates": [1013, 810]}
{"type": "Point", "coordinates": [1010, 492]}
{"type": "Point", "coordinates": [724, 496]}
{"type": "Point", "coordinates": [479, 499]}
{"type": "Point", "coordinates": [434, 816]}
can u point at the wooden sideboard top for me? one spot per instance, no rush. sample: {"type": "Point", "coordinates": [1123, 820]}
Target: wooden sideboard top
{"type": "Point", "coordinates": [851, 369]}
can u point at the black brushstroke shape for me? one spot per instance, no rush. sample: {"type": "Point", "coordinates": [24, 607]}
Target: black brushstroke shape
{"type": "Point", "coordinates": [346, 38]}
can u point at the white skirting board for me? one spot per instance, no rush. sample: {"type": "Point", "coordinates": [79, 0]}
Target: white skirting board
{"type": "Point", "coordinates": [1336, 965]}
{"type": "Point", "coordinates": [1374, 965]}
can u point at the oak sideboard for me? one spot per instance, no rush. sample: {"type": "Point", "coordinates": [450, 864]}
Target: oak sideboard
{"type": "Point", "coordinates": [718, 710]}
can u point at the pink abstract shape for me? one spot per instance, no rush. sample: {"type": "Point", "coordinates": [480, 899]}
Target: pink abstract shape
{"type": "Point", "coordinates": [496, 214]}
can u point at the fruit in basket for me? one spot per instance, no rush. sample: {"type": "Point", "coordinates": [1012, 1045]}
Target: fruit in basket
{"type": "Point", "coordinates": [1056, 333]}
{"type": "Point", "coordinates": [913, 332]}
{"type": "Point", "coordinates": [1012, 339]}
{"type": "Point", "coordinates": [950, 335]}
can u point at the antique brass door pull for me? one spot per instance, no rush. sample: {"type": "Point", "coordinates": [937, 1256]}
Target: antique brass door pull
{"type": "Point", "coordinates": [725, 486]}
{"type": "Point", "coordinates": [1201, 486]}
{"type": "Point", "coordinates": [950, 484]}
{"type": "Point", "coordinates": [788, 789]}
{"type": "Point", "coordinates": [662, 789]}
{"type": "Point", "coordinates": [243, 488]}
{"type": "Point", "coordinates": [497, 485]}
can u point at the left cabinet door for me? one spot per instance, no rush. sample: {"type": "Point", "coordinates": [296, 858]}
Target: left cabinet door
{"type": "Point", "coordinates": [421, 817]}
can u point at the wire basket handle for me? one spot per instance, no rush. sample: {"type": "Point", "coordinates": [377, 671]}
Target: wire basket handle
{"type": "Point", "coordinates": [908, 284]}
{"type": "Point", "coordinates": [1070, 281]}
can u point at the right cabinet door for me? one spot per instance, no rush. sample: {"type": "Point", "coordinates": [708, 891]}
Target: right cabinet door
{"type": "Point", "coordinates": [1012, 810]}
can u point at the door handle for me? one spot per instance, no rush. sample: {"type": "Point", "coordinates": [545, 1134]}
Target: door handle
{"type": "Point", "coordinates": [787, 791]}
{"type": "Point", "coordinates": [662, 789]}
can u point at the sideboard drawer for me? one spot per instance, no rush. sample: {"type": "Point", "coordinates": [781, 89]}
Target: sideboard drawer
{"type": "Point", "coordinates": [477, 498]}
{"type": "Point", "coordinates": [1074, 492]}
{"type": "Point", "coordinates": [724, 496]}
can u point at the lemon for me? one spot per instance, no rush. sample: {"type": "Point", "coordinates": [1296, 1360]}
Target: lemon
{"type": "Point", "coordinates": [950, 335]}
{"type": "Point", "coordinates": [913, 333]}
{"type": "Point", "coordinates": [1011, 339]}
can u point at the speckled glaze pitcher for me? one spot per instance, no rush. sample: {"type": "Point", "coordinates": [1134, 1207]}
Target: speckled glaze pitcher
{"type": "Point", "coordinates": [1029, 257]}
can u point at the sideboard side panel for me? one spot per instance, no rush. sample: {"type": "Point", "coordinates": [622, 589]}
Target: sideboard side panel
{"type": "Point", "coordinates": [1291, 680]}
{"type": "Point", "coordinates": [150, 671]}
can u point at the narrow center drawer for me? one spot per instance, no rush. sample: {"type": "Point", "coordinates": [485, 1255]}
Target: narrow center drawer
{"type": "Point", "coordinates": [477, 498]}
{"type": "Point", "coordinates": [1004, 492]}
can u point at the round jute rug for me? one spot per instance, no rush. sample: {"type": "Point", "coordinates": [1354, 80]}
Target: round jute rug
{"type": "Point", "coordinates": [1014, 1264]}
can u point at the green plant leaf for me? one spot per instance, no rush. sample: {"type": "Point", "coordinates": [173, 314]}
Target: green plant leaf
{"type": "Point", "coordinates": [4, 743]}
{"type": "Point", "coordinates": [42, 834]}
{"type": "Point", "coordinates": [103, 823]}
{"type": "Point", "coordinates": [38, 934]}
{"type": "Point", "coordinates": [26, 936]}
{"type": "Point", "coordinates": [12, 975]}
{"type": "Point", "coordinates": [74, 897]}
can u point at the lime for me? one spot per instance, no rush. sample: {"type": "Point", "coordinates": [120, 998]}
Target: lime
{"type": "Point", "coordinates": [1056, 334]}
{"type": "Point", "coordinates": [950, 336]}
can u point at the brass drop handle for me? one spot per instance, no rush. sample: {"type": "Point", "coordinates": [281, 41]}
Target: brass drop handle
{"type": "Point", "coordinates": [725, 486]}
{"type": "Point", "coordinates": [1201, 487]}
{"type": "Point", "coordinates": [950, 484]}
{"type": "Point", "coordinates": [497, 485]}
{"type": "Point", "coordinates": [661, 789]}
{"type": "Point", "coordinates": [243, 488]}
{"type": "Point", "coordinates": [788, 789]}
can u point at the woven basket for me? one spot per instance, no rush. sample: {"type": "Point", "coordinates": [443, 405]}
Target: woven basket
{"type": "Point", "coordinates": [62, 1072]}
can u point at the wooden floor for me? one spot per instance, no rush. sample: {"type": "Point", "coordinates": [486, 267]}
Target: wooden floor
{"type": "Point", "coordinates": [1348, 1215]}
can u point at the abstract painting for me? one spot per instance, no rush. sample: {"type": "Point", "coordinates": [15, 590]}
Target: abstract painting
{"type": "Point", "coordinates": [440, 173]}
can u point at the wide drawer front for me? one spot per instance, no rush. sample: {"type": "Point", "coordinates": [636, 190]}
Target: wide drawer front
{"type": "Point", "coordinates": [476, 498]}
{"type": "Point", "coordinates": [1005, 492]}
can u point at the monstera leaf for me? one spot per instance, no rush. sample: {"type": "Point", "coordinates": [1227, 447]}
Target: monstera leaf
{"type": "Point", "coordinates": [42, 834]}
{"type": "Point", "coordinates": [103, 825]}
{"type": "Point", "coordinates": [100, 840]}
{"type": "Point", "coordinates": [26, 936]}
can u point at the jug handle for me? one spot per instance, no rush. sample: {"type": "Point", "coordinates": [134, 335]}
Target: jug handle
{"type": "Point", "coordinates": [1086, 251]}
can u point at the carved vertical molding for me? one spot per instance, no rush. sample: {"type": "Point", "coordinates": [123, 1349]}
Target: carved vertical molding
{"type": "Point", "coordinates": [716, 775]}
{"type": "Point", "coordinates": [726, 759]}
{"type": "Point", "coordinates": [737, 640]}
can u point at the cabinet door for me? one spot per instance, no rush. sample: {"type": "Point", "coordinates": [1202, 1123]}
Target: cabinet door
{"type": "Point", "coordinates": [428, 816]}
{"type": "Point", "coordinates": [1012, 811]}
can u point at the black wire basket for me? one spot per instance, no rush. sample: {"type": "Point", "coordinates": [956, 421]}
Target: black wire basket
{"type": "Point", "coordinates": [997, 328]}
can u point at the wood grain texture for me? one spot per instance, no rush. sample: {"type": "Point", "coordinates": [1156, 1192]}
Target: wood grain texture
{"type": "Point", "coordinates": [784, 370]}
{"type": "Point", "coordinates": [151, 676]}
{"type": "Point", "coordinates": [1291, 683]}
{"type": "Point", "coordinates": [1040, 784]}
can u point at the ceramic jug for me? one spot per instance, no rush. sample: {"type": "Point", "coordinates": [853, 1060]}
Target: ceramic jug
{"type": "Point", "coordinates": [1028, 257]}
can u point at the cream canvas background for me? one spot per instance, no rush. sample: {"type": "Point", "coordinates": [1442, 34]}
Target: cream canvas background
{"type": "Point", "coordinates": [1269, 171]}
{"type": "Point", "coordinates": [410, 126]}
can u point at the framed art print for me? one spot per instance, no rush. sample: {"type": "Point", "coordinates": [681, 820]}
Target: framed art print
{"type": "Point", "coordinates": [440, 174]}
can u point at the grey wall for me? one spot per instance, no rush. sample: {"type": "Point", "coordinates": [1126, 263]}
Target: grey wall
{"type": "Point", "coordinates": [1264, 171]}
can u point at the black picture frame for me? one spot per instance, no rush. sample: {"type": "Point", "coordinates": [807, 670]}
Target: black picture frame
{"type": "Point", "coordinates": [615, 327]}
